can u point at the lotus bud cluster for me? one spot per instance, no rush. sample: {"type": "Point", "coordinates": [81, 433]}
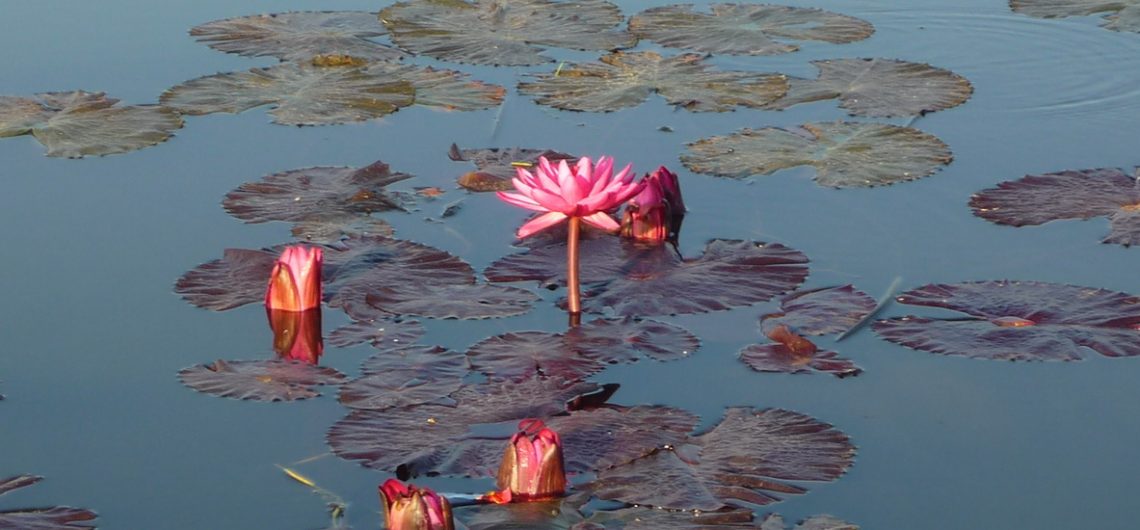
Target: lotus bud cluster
{"type": "Point", "coordinates": [532, 467]}
{"type": "Point", "coordinates": [654, 215]}
{"type": "Point", "coordinates": [295, 282]}
{"type": "Point", "coordinates": [407, 507]}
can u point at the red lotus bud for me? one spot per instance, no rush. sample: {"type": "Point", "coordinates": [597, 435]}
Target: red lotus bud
{"type": "Point", "coordinates": [295, 283]}
{"type": "Point", "coordinates": [407, 507]}
{"type": "Point", "coordinates": [532, 467]}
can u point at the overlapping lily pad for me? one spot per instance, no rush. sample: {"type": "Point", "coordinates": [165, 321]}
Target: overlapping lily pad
{"type": "Point", "coordinates": [626, 79]}
{"type": "Point", "coordinates": [879, 87]}
{"type": "Point", "coordinates": [459, 301]}
{"type": "Point", "coordinates": [823, 311]}
{"type": "Point", "coordinates": [745, 29]}
{"type": "Point", "coordinates": [500, 32]}
{"type": "Point", "coordinates": [270, 380]}
{"type": "Point", "coordinates": [379, 332]}
{"type": "Point", "coordinates": [746, 458]}
{"type": "Point", "coordinates": [1084, 194]}
{"type": "Point", "coordinates": [638, 281]}
{"type": "Point", "coordinates": [844, 154]}
{"type": "Point", "coordinates": [406, 375]}
{"type": "Point", "coordinates": [49, 518]}
{"type": "Point", "coordinates": [78, 123]}
{"type": "Point", "coordinates": [299, 36]}
{"type": "Point", "coordinates": [1019, 321]}
{"type": "Point", "coordinates": [1120, 15]}
{"type": "Point", "coordinates": [497, 166]}
{"type": "Point", "coordinates": [328, 229]}
{"type": "Point", "coordinates": [792, 353]}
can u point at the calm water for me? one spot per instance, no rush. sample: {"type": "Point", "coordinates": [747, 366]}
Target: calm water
{"type": "Point", "coordinates": [93, 336]}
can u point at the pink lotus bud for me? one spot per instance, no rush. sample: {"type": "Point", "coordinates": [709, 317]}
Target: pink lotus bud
{"type": "Point", "coordinates": [671, 189]}
{"type": "Point", "coordinates": [655, 214]}
{"type": "Point", "coordinates": [295, 283]}
{"type": "Point", "coordinates": [407, 507]}
{"type": "Point", "coordinates": [297, 334]}
{"type": "Point", "coordinates": [532, 467]}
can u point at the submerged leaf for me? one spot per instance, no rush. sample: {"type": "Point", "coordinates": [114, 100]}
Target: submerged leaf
{"type": "Point", "coordinates": [298, 35]}
{"type": "Point", "coordinates": [507, 33]}
{"type": "Point", "coordinates": [745, 29]}
{"type": "Point", "coordinates": [259, 380]}
{"type": "Point", "coordinates": [1121, 15]}
{"type": "Point", "coordinates": [626, 79]}
{"type": "Point", "coordinates": [409, 375]}
{"type": "Point", "coordinates": [1019, 321]}
{"type": "Point", "coordinates": [844, 154]}
{"type": "Point", "coordinates": [497, 166]}
{"type": "Point", "coordinates": [76, 124]}
{"type": "Point", "coordinates": [879, 87]}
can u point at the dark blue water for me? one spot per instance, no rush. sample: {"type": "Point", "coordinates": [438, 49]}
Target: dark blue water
{"type": "Point", "coordinates": [93, 336]}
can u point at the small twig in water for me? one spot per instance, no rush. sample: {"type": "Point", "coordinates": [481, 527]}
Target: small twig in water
{"type": "Point", "coordinates": [884, 301]}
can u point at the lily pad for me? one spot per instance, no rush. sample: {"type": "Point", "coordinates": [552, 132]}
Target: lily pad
{"type": "Point", "coordinates": [409, 375]}
{"type": "Point", "coordinates": [745, 29]}
{"type": "Point", "coordinates": [259, 380]}
{"type": "Point", "coordinates": [298, 35]}
{"type": "Point", "coordinates": [444, 89]}
{"type": "Point", "coordinates": [879, 87]}
{"type": "Point", "coordinates": [460, 301]}
{"type": "Point", "coordinates": [844, 154]}
{"type": "Point", "coordinates": [744, 458]}
{"type": "Point", "coordinates": [626, 79]}
{"type": "Point", "coordinates": [1019, 321]}
{"type": "Point", "coordinates": [328, 229]}
{"type": "Point", "coordinates": [501, 32]}
{"type": "Point", "coordinates": [496, 166]}
{"type": "Point", "coordinates": [50, 518]}
{"type": "Point", "coordinates": [775, 521]}
{"type": "Point", "coordinates": [793, 354]}
{"type": "Point", "coordinates": [631, 279]}
{"type": "Point", "coordinates": [1038, 199]}
{"type": "Point", "coordinates": [623, 340]}
{"type": "Point", "coordinates": [17, 482]}
{"type": "Point", "coordinates": [379, 332]}
{"type": "Point", "coordinates": [1121, 15]}
{"type": "Point", "coordinates": [823, 311]}
{"type": "Point", "coordinates": [76, 124]}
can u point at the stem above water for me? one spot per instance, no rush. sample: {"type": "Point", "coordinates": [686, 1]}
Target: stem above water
{"type": "Point", "coordinates": [574, 303]}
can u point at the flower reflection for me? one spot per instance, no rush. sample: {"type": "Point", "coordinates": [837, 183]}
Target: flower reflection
{"type": "Point", "coordinates": [297, 334]}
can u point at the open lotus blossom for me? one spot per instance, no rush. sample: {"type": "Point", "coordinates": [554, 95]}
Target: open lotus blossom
{"type": "Point", "coordinates": [297, 334]}
{"type": "Point", "coordinates": [655, 214]}
{"type": "Point", "coordinates": [407, 507]}
{"type": "Point", "coordinates": [532, 467]}
{"type": "Point", "coordinates": [295, 282]}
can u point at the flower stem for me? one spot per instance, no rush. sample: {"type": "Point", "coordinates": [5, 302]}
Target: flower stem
{"type": "Point", "coordinates": [574, 304]}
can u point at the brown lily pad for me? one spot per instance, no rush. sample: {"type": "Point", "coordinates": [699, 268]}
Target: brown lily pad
{"type": "Point", "coordinates": [745, 29]}
{"type": "Point", "coordinates": [379, 332]}
{"type": "Point", "coordinates": [793, 354]}
{"type": "Point", "coordinates": [744, 458]}
{"type": "Point", "coordinates": [844, 154]}
{"type": "Point", "coordinates": [299, 35]}
{"type": "Point", "coordinates": [879, 87]}
{"type": "Point", "coordinates": [259, 380]}
{"type": "Point", "coordinates": [823, 311]}
{"type": "Point", "coordinates": [494, 32]}
{"type": "Point", "coordinates": [1038, 199]}
{"type": "Point", "coordinates": [497, 166]}
{"type": "Point", "coordinates": [408, 375]}
{"type": "Point", "coordinates": [1019, 321]}
{"type": "Point", "coordinates": [626, 79]}
{"type": "Point", "coordinates": [49, 518]}
{"type": "Point", "coordinates": [77, 124]}
{"type": "Point", "coordinates": [1120, 15]}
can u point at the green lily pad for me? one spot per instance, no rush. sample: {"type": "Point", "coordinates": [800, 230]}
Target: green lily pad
{"type": "Point", "coordinates": [745, 29]}
{"type": "Point", "coordinates": [77, 124]}
{"type": "Point", "coordinates": [626, 79]}
{"type": "Point", "coordinates": [844, 154]}
{"type": "Point", "coordinates": [503, 32]}
{"type": "Point", "coordinates": [1120, 15]}
{"type": "Point", "coordinates": [298, 35]}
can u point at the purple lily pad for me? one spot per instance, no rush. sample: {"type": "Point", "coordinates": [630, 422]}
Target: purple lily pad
{"type": "Point", "coordinates": [328, 229]}
{"type": "Point", "coordinates": [793, 354]}
{"type": "Point", "coordinates": [1119, 15]}
{"type": "Point", "coordinates": [239, 278]}
{"type": "Point", "coordinates": [1019, 321]}
{"type": "Point", "coordinates": [379, 332]}
{"type": "Point", "coordinates": [50, 518]}
{"type": "Point", "coordinates": [744, 458]}
{"type": "Point", "coordinates": [497, 166]}
{"type": "Point", "coordinates": [1038, 199]}
{"type": "Point", "coordinates": [298, 35]}
{"type": "Point", "coordinates": [461, 301]}
{"type": "Point", "coordinates": [259, 380]}
{"type": "Point", "coordinates": [410, 375]}
{"type": "Point", "coordinates": [822, 311]}
{"type": "Point", "coordinates": [631, 279]}
{"type": "Point", "coordinates": [17, 482]}
{"type": "Point", "coordinates": [623, 340]}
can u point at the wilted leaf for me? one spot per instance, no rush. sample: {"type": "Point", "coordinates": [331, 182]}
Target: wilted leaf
{"type": "Point", "coordinates": [823, 311]}
{"type": "Point", "coordinates": [407, 375]}
{"type": "Point", "coordinates": [299, 35]}
{"type": "Point", "coordinates": [1122, 15]}
{"type": "Point", "coordinates": [743, 458]}
{"type": "Point", "coordinates": [259, 380]}
{"type": "Point", "coordinates": [76, 124]}
{"type": "Point", "coordinates": [745, 29]}
{"type": "Point", "coordinates": [17, 482]}
{"type": "Point", "coordinates": [53, 518]}
{"type": "Point", "coordinates": [844, 154]}
{"type": "Point", "coordinates": [380, 332]}
{"type": "Point", "coordinates": [498, 32]}
{"type": "Point", "coordinates": [879, 87]}
{"type": "Point", "coordinates": [1038, 199]}
{"type": "Point", "coordinates": [462, 301]}
{"type": "Point", "coordinates": [497, 166]}
{"type": "Point", "coordinates": [626, 79]}
{"type": "Point", "coordinates": [1019, 321]}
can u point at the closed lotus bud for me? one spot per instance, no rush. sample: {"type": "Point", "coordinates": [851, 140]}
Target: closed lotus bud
{"type": "Point", "coordinates": [407, 507]}
{"type": "Point", "coordinates": [655, 214]}
{"type": "Point", "coordinates": [295, 283]}
{"type": "Point", "coordinates": [297, 334]}
{"type": "Point", "coordinates": [671, 189]}
{"type": "Point", "coordinates": [532, 467]}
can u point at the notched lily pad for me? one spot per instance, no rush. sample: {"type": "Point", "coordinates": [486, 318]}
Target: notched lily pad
{"type": "Point", "coordinates": [379, 332]}
{"type": "Point", "coordinates": [1019, 321]}
{"type": "Point", "coordinates": [879, 87]}
{"type": "Point", "coordinates": [77, 124]}
{"type": "Point", "coordinates": [1038, 199]}
{"type": "Point", "coordinates": [298, 36]}
{"type": "Point", "coordinates": [744, 458]}
{"type": "Point", "coordinates": [844, 154]}
{"type": "Point", "coordinates": [506, 33]}
{"type": "Point", "coordinates": [49, 518]}
{"type": "Point", "coordinates": [626, 79]}
{"type": "Point", "coordinates": [1120, 15]}
{"type": "Point", "coordinates": [497, 166]}
{"type": "Point", "coordinates": [271, 380]}
{"type": "Point", "coordinates": [745, 29]}
{"type": "Point", "coordinates": [408, 375]}
{"type": "Point", "coordinates": [792, 353]}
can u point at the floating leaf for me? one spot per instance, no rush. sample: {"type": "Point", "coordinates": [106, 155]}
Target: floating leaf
{"type": "Point", "coordinates": [1019, 321]}
{"type": "Point", "coordinates": [745, 29]}
{"type": "Point", "coordinates": [239, 278]}
{"type": "Point", "coordinates": [76, 124]}
{"type": "Point", "coordinates": [1124, 15]}
{"type": "Point", "coordinates": [556, 514]}
{"type": "Point", "coordinates": [298, 35]}
{"type": "Point", "coordinates": [328, 229]}
{"type": "Point", "coordinates": [259, 380]}
{"type": "Point", "coordinates": [617, 340]}
{"type": "Point", "coordinates": [496, 32]}
{"type": "Point", "coordinates": [53, 518]}
{"type": "Point", "coordinates": [461, 301]}
{"type": "Point", "coordinates": [793, 354]}
{"type": "Point", "coordinates": [380, 332]}
{"type": "Point", "coordinates": [879, 87]}
{"type": "Point", "coordinates": [444, 89]}
{"type": "Point", "coordinates": [743, 458]}
{"type": "Point", "coordinates": [844, 154]}
{"type": "Point", "coordinates": [409, 375]}
{"type": "Point", "coordinates": [17, 482]}
{"type": "Point", "coordinates": [626, 79]}
{"type": "Point", "coordinates": [1038, 199]}
{"type": "Point", "coordinates": [634, 280]}
{"type": "Point", "coordinates": [822, 311]}
{"type": "Point", "coordinates": [498, 166]}
{"type": "Point", "coordinates": [602, 438]}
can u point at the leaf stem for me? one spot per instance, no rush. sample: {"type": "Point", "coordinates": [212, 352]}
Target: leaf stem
{"type": "Point", "coordinates": [574, 303]}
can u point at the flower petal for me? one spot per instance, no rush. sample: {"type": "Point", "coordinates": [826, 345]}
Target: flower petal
{"type": "Point", "coordinates": [542, 222]}
{"type": "Point", "coordinates": [521, 201]}
{"type": "Point", "coordinates": [601, 220]}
